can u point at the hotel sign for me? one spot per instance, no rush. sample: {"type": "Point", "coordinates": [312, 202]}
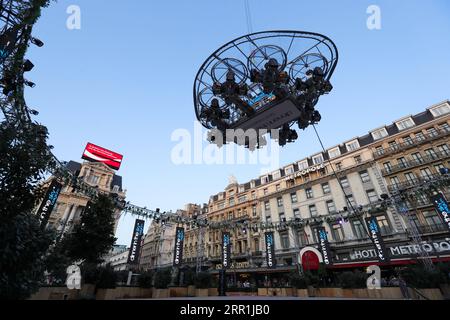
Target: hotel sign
{"type": "Point", "coordinates": [306, 171]}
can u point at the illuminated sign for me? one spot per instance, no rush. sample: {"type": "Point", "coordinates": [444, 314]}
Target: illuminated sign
{"type": "Point", "coordinates": [178, 250]}
{"type": "Point", "coordinates": [270, 250]}
{"type": "Point", "coordinates": [305, 171]}
{"type": "Point", "coordinates": [375, 236]}
{"type": "Point", "coordinates": [49, 202]}
{"type": "Point", "coordinates": [135, 247]}
{"type": "Point", "coordinates": [441, 206]}
{"type": "Point", "coordinates": [226, 250]}
{"type": "Point", "coordinates": [98, 154]}
{"type": "Point", "coordinates": [324, 246]}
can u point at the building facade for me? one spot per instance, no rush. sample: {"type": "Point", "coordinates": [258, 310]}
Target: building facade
{"type": "Point", "coordinates": [70, 204]}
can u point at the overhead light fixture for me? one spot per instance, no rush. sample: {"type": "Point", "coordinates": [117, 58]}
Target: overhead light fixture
{"type": "Point", "coordinates": [28, 66]}
{"type": "Point", "coordinates": [29, 83]}
{"type": "Point", "coordinates": [37, 42]}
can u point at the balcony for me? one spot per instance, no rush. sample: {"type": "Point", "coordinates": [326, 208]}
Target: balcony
{"type": "Point", "coordinates": [415, 163]}
{"type": "Point", "coordinates": [434, 228]}
{"type": "Point", "coordinates": [415, 142]}
{"type": "Point", "coordinates": [411, 183]}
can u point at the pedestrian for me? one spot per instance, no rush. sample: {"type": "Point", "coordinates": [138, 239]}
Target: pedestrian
{"type": "Point", "coordinates": [403, 288]}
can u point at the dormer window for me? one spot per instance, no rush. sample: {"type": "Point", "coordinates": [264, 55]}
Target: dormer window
{"type": "Point", "coordinates": [318, 159]}
{"type": "Point", "coordinates": [289, 170]}
{"type": "Point", "coordinates": [116, 189]}
{"type": "Point", "coordinates": [333, 153]}
{"type": "Point", "coordinates": [405, 124]}
{"type": "Point", "coordinates": [440, 110]}
{"type": "Point", "coordinates": [264, 179]}
{"type": "Point", "coordinates": [276, 175]}
{"type": "Point", "coordinates": [302, 165]}
{"type": "Point", "coordinates": [379, 134]}
{"type": "Point", "coordinates": [352, 145]}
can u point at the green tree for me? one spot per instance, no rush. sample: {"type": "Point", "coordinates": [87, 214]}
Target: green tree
{"type": "Point", "coordinates": [93, 237]}
{"type": "Point", "coordinates": [24, 160]}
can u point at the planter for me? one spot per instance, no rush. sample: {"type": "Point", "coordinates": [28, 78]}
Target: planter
{"type": "Point", "coordinates": [191, 291]}
{"type": "Point", "coordinates": [311, 291]}
{"type": "Point", "coordinates": [123, 293]}
{"type": "Point", "coordinates": [287, 292]}
{"type": "Point", "coordinates": [274, 292]}
{"type": "Point", "coordinates": [445, 289]}
{"type": "Point", "coordinates": [213, 292]}
{"type": "Point", "coordinates": [178, 291]}
{"type": "Point", "coordinates": [160, 293]}
{"type": "Point", "coordinates": [55, 293]}
{"type": "Point", "coordinates": [361, 293]}
{"type": "Point", "coordinates": [347, 293]}
{"type": "Point", "coordinates": [432, 294]}
{"type": "Point", "coordinates": [262, 292]}
{"type": "Point", "coordinates": [302, 293]}
{"type": "Point", "coordinates": [201, 292]}
{"type": "Point", "coordinates": [329, 292]}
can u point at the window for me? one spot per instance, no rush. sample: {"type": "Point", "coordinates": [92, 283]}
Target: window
{"type": "Point", "coordinates": [352, 145]}
{"type": "Point", "coordinates": [335, 152]}
{"type": "Point", "coordinates": [379, 150]}
{"type": "Point", "coordinates": [256, 242]}
{"type": "Point", "coordinates": [395, 181]}
{"type": "Point", "coordinates": [419, 136]}
{"type": "Point", "coordinates": [313, 210]}
{"type": "Point", "coordinates": [402, 162]}
{"type": "Point", "coordinates": [431, 153]}
{"type": "Point", "coordinates": [230, 215]}
{"type": "Point", "coordinates": [404, 124]}
{"type": "Point", "coordinates": [358, 229]}
{"type": "Point", "coordinates": [410, 177]}
{"type": "Point", "coordinates": [380, 133]}
{"type": "Point", "coordinates": [302, 238]}
{"type": "Point", "coordinates": [387, 166]}
{"type": "Point", "coordinates": [364, 176]}
{"type": "Point", "coordinates": [278, 187]}
{"type": "Point", "coordinates": [432, 132]}
{"type": "Point", "coordinates": [383, 223]}
{"type": "Point", "coordinates": [93, 179]}
{"type": "Point", "coordinates": [393, 145]}
{"type": "Point", "coordinates": [253, 194]}
{"type": "Point", "coordinates": [231, 192]}
{"type": "Point", "coordinates": [338, 233]}
{"type": "Point", "coordinates": [282, 217]}
{"type": "Point", "coordinates": [294, 197]}
{"type": "Point", "coordinates": [326, 188]}
{"type": "Point", "coordinates": [264, 179]}
{"type": "Point", "coordinates": [440, 110]}
{"type": "Point", "coordinates": [309, 193]}
{"type": "Point", "coordinates": [220, 205]}
{"type": "Point", "coordinates": [289, 170]}
{"type": "Point", "coordinates": [280, 201]}
{"type": "Point", "coordinates": [231, 201]}
{"type": "Point", "coordinates": [331, 207]}
{"type": "Point", "coordinates": [426, 173]}
{"type": "Point", "coordinates": [276, 175]}
{"type": "Point", "coordinates": [269, 219]}
{"type": "Point", "coordinates": [444, 127]}
{"type": "Point", "coordinates": [267, 205]}
{"type": "Point", "coordinates": [443, 149]}
{"type": "Point", "coordinates": [318, 159]}
{"type": "Point", "coordinates": [344, 182]}
{"type": "Point", "coordinates": [351, 201]}
{"type": "Point", "coordinates": [438, 167]}
{"type": "Point", "coordinates": [339, 166]}
{"type": "Point", "coordinates": [407, 140]}
{"type": "Point", "coordinates": [284, 237]}
{"type": "Point", "coordinates": [431, 217]}
{"type": "Point", "coordinates": [372, 195]}
{"type": "Point", "coordinates": [266, 191]}
{"type": "Point", "coordinates": [296, 213]}
{"type": "Point", "coordinates": [303, 165]}
{"type": "Point", "coordinates": [358, 159]}
{"type": "Point", "coordinates": [254, 210]}
{"type": "Point", "coordinates": [417, 157]}
{"type": "Point", "coordinates": [242, 199]}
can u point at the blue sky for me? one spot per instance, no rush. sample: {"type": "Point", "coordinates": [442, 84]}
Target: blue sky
{"type": "Point", "coordinates": [124, 81]}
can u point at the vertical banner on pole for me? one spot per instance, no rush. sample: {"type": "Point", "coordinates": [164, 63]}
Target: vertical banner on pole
{"type": "Point", "coordinates": [49, 202]}
{"type": "Point", "coordinates": [324, 245]}
{"type": "Point", "coordinates": [270, 250]}
{"type": "Point", "coordinates": [375, 236]}
{"type": "Point", "coordinates": [135, 247]}
{"type": "Point", "coordinates": [442, 208]}
{"type": "Point", "coordinates": [178, 250]}
{"type": "Point", "coordinates": [226, 250]}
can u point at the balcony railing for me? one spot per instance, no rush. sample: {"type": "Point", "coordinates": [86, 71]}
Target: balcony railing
{"type": "Point", "coordinates": [414, 142]}
{"type": "Point", "coordinates": [411, 183]}
{"type": "Point", "coordinates": [415, 163]}
{"type": "Point", "coordinates": [434, 228]}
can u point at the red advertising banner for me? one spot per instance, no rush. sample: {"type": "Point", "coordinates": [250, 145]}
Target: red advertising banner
{"type": "Point", "coordinates": [98, 154]}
